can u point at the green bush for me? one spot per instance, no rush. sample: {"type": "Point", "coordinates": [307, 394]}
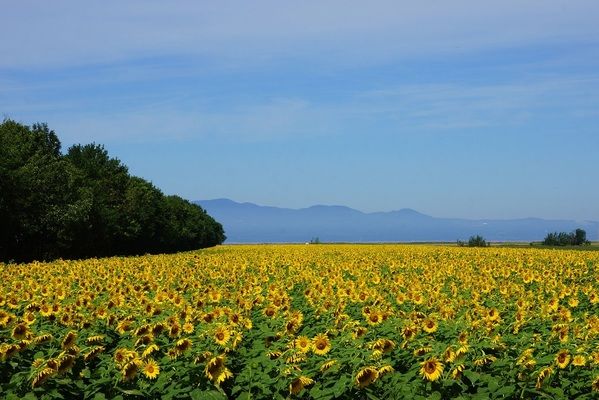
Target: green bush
{"type": "Point", "coordinates": [575, 238]}
{"type": "Point", "coordinates": [477, 241]}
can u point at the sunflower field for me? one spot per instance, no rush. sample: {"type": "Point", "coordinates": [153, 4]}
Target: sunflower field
{"type": "Point", "coordinates": [304, 321]}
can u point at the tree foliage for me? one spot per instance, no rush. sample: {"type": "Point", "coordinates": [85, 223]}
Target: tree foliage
{"type": "Point", "coordinates": [474, 241]}
{"type": "Point", "coordinates": [84, 203]}
{"type": "Point", "coordinates": [575, 238]}
{"type": "Point", "coordinates": [477, 241]}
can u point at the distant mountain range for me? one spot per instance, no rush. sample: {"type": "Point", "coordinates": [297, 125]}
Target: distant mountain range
{"type": "Point", "coordinates": [252, 223]}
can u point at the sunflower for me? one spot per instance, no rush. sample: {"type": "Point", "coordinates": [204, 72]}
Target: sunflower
{"type": "Point", "coordinates": [150, 369]}
{"type": "Point", "coordinates": [101, 313]}
{"type": "Point", "coordinates": [493, 314]}
{"type": "Point", "coordinates": [385, 369]}
{"type": "Point", "coordinates": [202, 357]}
{"type": "Point", "coordinates": [4, 318]}
{"type": "Point", "coordinates": [429, 325]}
{"type": "Point", "coordinates": [158, 328]}
{"type": "Point", "coordinates": [150, 350]}
{"type": "Point", "coordinates": [29, 318]}
{"type": "Point", "coordinates": [142, 330]}
{"type": "Point", "coordinates": [188, 327]}
{"type": "Point", "coordinates": [124, 326]}
{"type": "Point", "coordinates": [183, 345]}
{"type": "Point", "coordinates": [65, 363]}
{"type": "Point", "coordinates": [216, 371]}
{"type": "Point", "coordinates": [174, 330]}
{"type": "Point", "coordinates": [431, 369]}
{"type": "Point", "coordinates": [366, 376]}
{"type": "Point", "coordinates": [419, 352]}
{"type": "Point", "coordinates": [222, 335]}
{"type": "Point", "coordinates": [562, 359]}
{"type": "Point", "coordinates": [400, 298]}
{"type": "Point", "coordinates": [299, 383]}
{"type": "Point", "coordinates": [8, 350]}
{"type": "Point", "coordinates": [21, 331]}
{"type": "Point", "coordinates": [449, 355]}
{"type": "Point", "coordinates": [359, 331]}
{"type": "Point", "coordinates": [129, 371]}
{"type": "Point", "coordinates": [542, 376]}
{"type": "Point", "coordinates": [96, 339]}
{"type": "Point", "coordinates": [384, 345]}
{"type": "Point", "coordinates": [595, 384]}
{"type": "Point", "coordinates": [291, 326]}
{"type": "Point", "coordinates": [270, 311]}
{"type": "Point", "coordinates": [327, 364]}
{"type": "Point", "coordinates": [374, 318]}
{"type": "Point", "coordinates": [69, 340]}
{"type": "Point", "coordinates": [144, 340]}
{"type": "Point", "coordinates": [214, 296]}
{"type": "Point", "coordinates": [43, 338]}
{"type": "Point", "coordinates": [303, 344]}
{"type": "Point", "coordinates": [408, 332]}
{"type": "Point", "coordinates": [42, 377]}
{"type": "Point", "coordinates": [579, 360]}
{"type": "Point", "coordinates": [321, 344]}
{"type": "Point", "coordinates": [573, 302]}
{"type": "Point", "coordinates": [93, 353]}
{"type": "Point", "coordinates": [456, 372]}
{"type": "Point", "coordinates": [122, 356]}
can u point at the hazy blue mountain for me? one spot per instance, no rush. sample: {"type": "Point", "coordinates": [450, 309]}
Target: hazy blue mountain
{"type": "Point", "coordinates": [252, 223]}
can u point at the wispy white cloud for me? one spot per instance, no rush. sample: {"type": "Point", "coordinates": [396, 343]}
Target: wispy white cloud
{"type": "Point", "coordinates": [403, 109]}
{"type": "Point", "coordinates": [68, 32]}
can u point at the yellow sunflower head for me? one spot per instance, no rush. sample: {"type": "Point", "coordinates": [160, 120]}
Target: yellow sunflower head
{"type": "Point", "coordinates": [429, 325]}
{"type": "Point", "coordinates": [366, 376]}
{"type": "Point", "coordinates": [431, 369]}
{"type": "Point", "coordinates": [216, 371]}
{"type": "Point", "coordinates": [299, 383]}
{"type": "Point", "coordinates": [321, 344]}
{"type": "Point", "coordinates": [562, 359]}
{"type": "Point", "coordinates": [303, 344]}
{"type": "Point", "coordinates": [221, 335]}
{"type": "Point", "coordinates": [150, 369]}
{"type": "Point", "coordinates": [579, 360]}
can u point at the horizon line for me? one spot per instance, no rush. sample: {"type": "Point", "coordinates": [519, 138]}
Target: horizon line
{"type": "Point", "coordinates": [395, 210]}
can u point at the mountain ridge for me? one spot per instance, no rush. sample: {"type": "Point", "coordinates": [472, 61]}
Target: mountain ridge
{"type": "Point", "coordinates": [252, 223]}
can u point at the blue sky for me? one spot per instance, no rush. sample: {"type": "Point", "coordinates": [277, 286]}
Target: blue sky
{"type": "Point", "coordinates": [458, 109]}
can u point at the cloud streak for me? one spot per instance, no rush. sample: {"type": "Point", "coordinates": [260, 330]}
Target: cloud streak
{"type": "Point", "coordinates": [403, 109]}
{"type": "Point", "coordinates": [68, 32]}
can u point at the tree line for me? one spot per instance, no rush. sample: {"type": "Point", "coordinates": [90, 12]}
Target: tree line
{"type": "Point", "coordinates": [576, 238]}
{"type": "Point", "coordinates": [84, 203]}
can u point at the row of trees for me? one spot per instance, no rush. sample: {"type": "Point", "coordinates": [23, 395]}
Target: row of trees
{"type": "Point", "coordinates": [576, 238]}
{"type": "Point", "coordinates": [474, 241]}
{"type": "Point", "coordinates": [84, 203]}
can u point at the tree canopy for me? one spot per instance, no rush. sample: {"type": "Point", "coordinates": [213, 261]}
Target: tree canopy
{"type": "Point", "coordinates": [576, 238]}
{"type": "Point", "coordinates": [85, 203]}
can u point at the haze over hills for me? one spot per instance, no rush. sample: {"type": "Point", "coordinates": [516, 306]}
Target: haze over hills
{"type": "Point", "coordinates": [252, 223]}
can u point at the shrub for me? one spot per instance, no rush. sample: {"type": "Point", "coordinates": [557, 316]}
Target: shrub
{"type": "Point", "coordinates": [575, 238]}
{"type": "Point", "coordinates": [477, 241]}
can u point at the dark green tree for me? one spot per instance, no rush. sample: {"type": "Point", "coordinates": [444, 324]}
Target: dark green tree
{"type": "Point", "coordinates": [576, 238]}
{"type": "Point", "coordinates": [102, 182]}
{"type": "Point", "coordinates": [34, 195]}
{"type": "Point", "coordinates": [477, 241]}
{"type": "Point", "coordinates": [85, 203]}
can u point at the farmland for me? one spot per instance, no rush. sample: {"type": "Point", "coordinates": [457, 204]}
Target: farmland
{"type": "Point", "coordinates": [312, 321]}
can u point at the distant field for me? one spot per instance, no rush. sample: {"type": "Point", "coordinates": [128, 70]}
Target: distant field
{"type": "Point", "coordinates": [593, 246]}
{"type": "Point", "coordinates": [318, 321]}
